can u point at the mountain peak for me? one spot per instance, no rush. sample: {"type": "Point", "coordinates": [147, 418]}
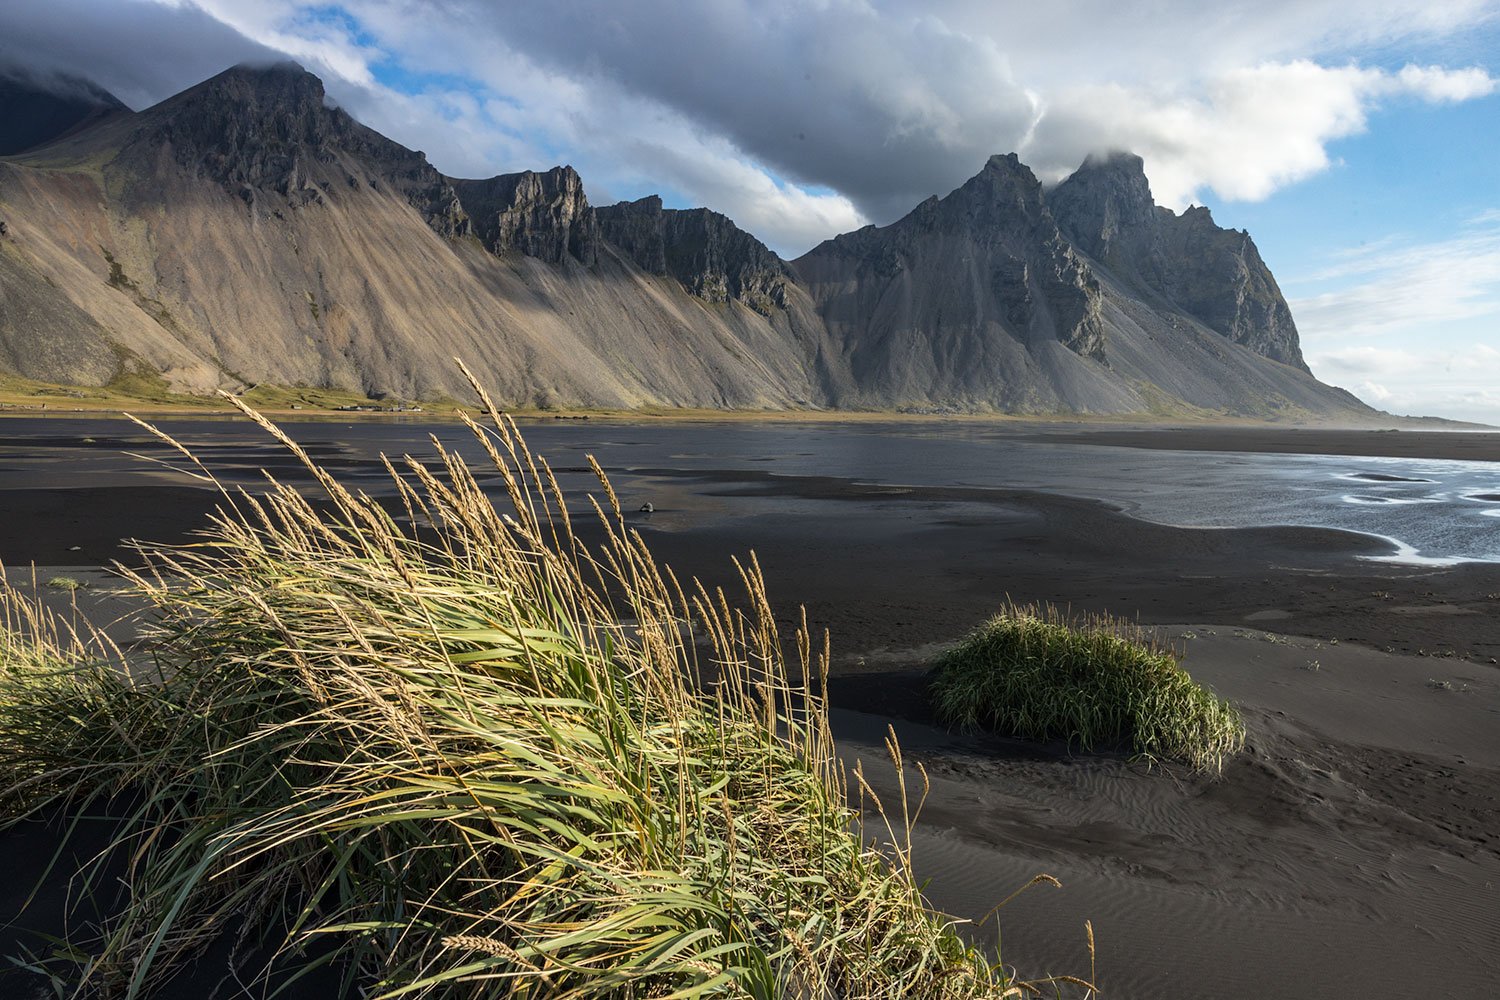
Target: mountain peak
{"type": "Point", "coordinates": [1214, 275]}
{"type": "Point", "coordinates": [281, 75]}
{"type": "Point", "coordinates": [254, 126]}
{"type": "Point", "coordinates": [704, 250]}
{"type": "Point", "coordinates": [1106, 207]}
{"type": "Point", "coordinates": [544, 215]}
{"type": "Point", "coordinates": [263, 91]}
{"type": "Point", "coordinates": [1114, 159]}
{"type": "Point", "coordinates": [1005, 162]}
{"type": "Point", "coordinates": [266, 130]}
{"type": "Point", "coordinates": [1199, 215]}
{"type": "Point", "coordinates": [1005, 171]}
{"type": "Point", "coordinates": [1004, 193]}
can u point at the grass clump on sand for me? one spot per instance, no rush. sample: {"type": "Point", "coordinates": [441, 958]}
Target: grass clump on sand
{"type": "Point", "coordinates": [1038, 673]}
{"type": "Point", "coordinates": [459, 753]}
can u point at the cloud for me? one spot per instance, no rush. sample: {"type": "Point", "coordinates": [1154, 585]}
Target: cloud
{"type": "Point", "coordinates": [1412, 326]}
{"type": "Point", "coordinates": [1365, 361]}
{"type": "Point", "coordinates": [1433, 83]}
{"type": "Point", "coordinates": [889, 103]}
{"type": "Point", "coordinates": [1413, 288]}
{"type": "Point", "coordinates": [1244, 133]}
{"type": "Point", "coordinates": [750, 196]}
{"type": "Point", "coordinates": [803, 118]}
{"type": "Point", "coordinates": [1456, 385]}
{"type": "Point", "coordinates": [142, 52]}
{"type": "Point", "coordinates": [1459, 380]}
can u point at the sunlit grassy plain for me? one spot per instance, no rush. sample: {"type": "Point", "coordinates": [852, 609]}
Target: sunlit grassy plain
{"type": "Point", "coordinates": [1039, 673]}
{"type": "Point", "coordinates": [460, 753]}
{"type": "Point", "coordinates": [142, 392]}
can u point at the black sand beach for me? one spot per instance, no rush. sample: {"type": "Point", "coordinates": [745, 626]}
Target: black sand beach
{"type": "Point", "coordinates": [1352, 850]}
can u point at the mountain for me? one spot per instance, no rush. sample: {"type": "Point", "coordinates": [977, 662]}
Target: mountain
{"type": "Point", "coordinates": [247, 231]}
{"type": "Point", "coordinates": [546, 216]}
{"type": "Point", "coordinates": [974, 300]}
{"type": "Point", "coordinates": [1182, 261]}
{"type": "Point", "coordinates": [712, 257]}
{"type": "Point", "coordinates": [1088, 298]}
{"type": "Point", "coordinates": [43, 107]}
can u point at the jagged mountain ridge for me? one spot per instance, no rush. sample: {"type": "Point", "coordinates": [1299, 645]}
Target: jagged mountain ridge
{"type": "Point", "coordinates": [976, 294]}
{"type": "Point", "coordinates": [543, 215]}
{"type": "Point", "coordinates": [247, 231]}
{"type": "Point", "coordinates": [1214, 275]}
{"type": "Point", "coordinates": [295, 246]}
{"type": "Point", "coordinates": [712, 257]}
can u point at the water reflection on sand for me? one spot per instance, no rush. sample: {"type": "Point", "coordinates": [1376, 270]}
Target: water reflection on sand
{"type": "Point", "coordinates": [1429, 510]}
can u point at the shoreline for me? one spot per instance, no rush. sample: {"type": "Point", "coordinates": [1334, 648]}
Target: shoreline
{"type": "Point", "coordinates": [1123, 429]}
{"type": "Point", "coordinates": [1361, 822]}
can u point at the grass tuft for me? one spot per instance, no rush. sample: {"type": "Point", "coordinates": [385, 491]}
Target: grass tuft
{"type": "Point", "coordinates": [1096, 681]}
{"type": "Point", "coordinates": [456, 752]}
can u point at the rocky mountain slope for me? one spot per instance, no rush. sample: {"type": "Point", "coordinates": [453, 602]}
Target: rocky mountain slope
{"type": "Point", "coordinates": [246, 231]}
{"type": "Point", "coordinates": [1086, 298]}
{"type": "Point", "coordinates": [1184, 262]}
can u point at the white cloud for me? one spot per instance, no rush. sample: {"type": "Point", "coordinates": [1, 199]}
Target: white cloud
{"type": "Point", "coordinates": [1412, 326]}
{"type": "Point", "coordinates": [1460, 381]}
{"type": "Point", "coordinates": [1413, 288]}
{"type": "Point", "coordinates": [728, 183]}
{"type": "Point", "coordinates": [1433, 83]}
{"type": "Point", "coordinates": [1244, 133]}
{"type": "Point", "coordinates": [879, 104]}
{"type": "Point", "coordinates": [1364, 361]}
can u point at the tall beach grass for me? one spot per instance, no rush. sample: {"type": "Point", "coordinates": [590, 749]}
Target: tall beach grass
{"type": "Point", "coordinates": [1040, 673]}
{"type": "Point", "coordinates": [455, 752]}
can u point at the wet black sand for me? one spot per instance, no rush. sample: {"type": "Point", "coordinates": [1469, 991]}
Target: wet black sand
{"type": "Point", "coordinates": [1354, 850]}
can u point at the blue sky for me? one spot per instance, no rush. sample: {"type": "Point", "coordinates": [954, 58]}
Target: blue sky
{"type": "Point", "coordinates": [1391, 259]}
{"type": "Point", "coordinates": [1356, 142]}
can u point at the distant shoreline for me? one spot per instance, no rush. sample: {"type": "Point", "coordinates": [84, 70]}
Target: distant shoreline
{"type": "Point", "coordinates": [449, 411]}
{"type": "Point", "coordinates": [1459, 442]}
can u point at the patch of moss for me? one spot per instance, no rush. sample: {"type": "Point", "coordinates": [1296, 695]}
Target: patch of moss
{"type": "Point", "coordinates": [117, 277]}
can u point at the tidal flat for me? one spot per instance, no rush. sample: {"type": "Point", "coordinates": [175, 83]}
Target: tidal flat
{"type": "Point", "coordinates": [1352, 849]}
